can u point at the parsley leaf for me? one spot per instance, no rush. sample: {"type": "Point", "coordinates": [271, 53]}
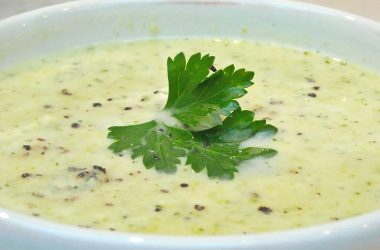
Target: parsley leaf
{"type": "Point", "coordinates": [213, 123]}
{"type": "Point", "coordinates": [218, 149]}
{"type": "Point", "coordinates": [237, 128]}
{"type": "Point", "coordinates": [199, 101]}
{"type": "Point", "coordinates": [160, 145]}
{"type": "Point", "coordinates": [221, 159]}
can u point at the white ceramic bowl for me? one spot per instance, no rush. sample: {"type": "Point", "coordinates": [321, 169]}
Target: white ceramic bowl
{"type": "Point", "coordinates": [293, 24]}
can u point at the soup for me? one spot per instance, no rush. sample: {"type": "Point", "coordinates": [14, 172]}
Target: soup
{"type": "Point", "coordinates": [55, 163]}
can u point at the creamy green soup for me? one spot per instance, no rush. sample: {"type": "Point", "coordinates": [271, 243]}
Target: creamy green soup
{"type": "Point", "coordinates": [54, 161]}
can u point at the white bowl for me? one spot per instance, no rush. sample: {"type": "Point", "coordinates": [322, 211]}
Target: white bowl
{"type": "Point", "coordinates": [333, 32]}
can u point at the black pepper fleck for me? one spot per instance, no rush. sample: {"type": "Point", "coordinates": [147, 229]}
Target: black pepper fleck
{"type": "Point", "coordinates": [213, 69]}
{"type": "Point", "coordinates": [158, 208]}
{"type": "Point", "coordinates": [199, 207]}
{"type": "Point", "coordinates": [184, 185]}
{"type": "Point", "coordinates": [312, 95]}
{"type": "Point", "coordinates": [265, 210]}
{"type": "Point", "coordinates": [27, 147]}
{"type": "Point", "coordinates": [65, 92]}
{"type": "Point", "coordinates": [127, 108]}
{"type": "Point", "coordinates": [101, 169]}
{"type": "Point", "coordinates": [75, 125]}
{"type": "Point", "coordinates": [26, 175]}
{"type": "Point", "coordinates": [96, 104]}
{"type": "Point", "coordinates": [83, 174]}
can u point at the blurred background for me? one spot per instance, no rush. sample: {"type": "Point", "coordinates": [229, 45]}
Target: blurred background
{"type": "Point", "coordinates": [368, 8]}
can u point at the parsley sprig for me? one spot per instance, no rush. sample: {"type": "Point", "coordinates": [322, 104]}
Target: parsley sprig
{"type": "Point", "coordinates": [211, 122]}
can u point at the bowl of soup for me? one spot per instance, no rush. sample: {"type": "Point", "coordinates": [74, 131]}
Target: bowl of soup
{"type": "Point", "coordinates": [71, 71]}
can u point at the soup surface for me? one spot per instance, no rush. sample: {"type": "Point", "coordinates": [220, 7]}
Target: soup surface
{"type": "Point", "coordinates": [55, 163]}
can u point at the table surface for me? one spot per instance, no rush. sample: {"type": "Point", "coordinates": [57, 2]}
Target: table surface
{"type": "Point", "coordinates": [368, 8]}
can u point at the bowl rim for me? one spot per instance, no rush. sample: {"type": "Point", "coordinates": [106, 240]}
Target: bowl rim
{"type": "Point", "coordinates": [357, 224]}
{"type": "Point", "coordinates": [353, 225]}
{"type": "Point", "coordinates": [292, 4]}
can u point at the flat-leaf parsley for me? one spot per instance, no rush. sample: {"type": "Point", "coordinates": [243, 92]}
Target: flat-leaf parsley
{"type": "Point", "coordinates": [211, 123]}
